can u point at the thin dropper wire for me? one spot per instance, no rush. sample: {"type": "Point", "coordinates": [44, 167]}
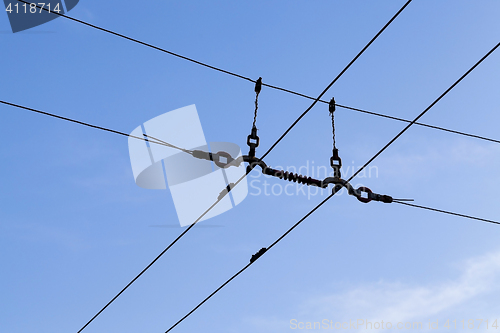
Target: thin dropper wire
{"type": "Point", "coordinates": [333, 193]}
{"type": "Point", "coordinates": [336, 78]}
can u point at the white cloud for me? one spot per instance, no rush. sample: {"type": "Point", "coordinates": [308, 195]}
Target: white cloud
{"type": "Point", "coordinates": [397, 302]}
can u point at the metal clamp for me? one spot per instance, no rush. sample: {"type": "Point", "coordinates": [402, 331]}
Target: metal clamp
{"type": "Point", "coordinates": [358, 193]}
{"type": "Point", "coordinates": [251, 144]}
{"type": "Point", "coordinates": [218, 158]}
{"type": "Point", "coordinates": [336, 163]}
{"type": "Point", "coordinates": [258, 254]}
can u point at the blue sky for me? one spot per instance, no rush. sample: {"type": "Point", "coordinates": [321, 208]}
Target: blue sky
{"type": "Point", "coordinates": [75, 229]}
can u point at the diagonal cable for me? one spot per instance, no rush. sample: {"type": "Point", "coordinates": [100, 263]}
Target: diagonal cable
{"type": "Point", "coordinates": [246, 266]}
{"type": "Point", "coordinates": [447, 212]}
{"type": "Point", "coordinates": [142, 43]}
{"type": "Point", "coordinates": [264, 84]}
{"type": "Point", "coordinates": [162, 253]}
{"type": "Point", "coordinates": [333, 193]}
{"type": "Point", "coordinates": [156, 141]}
{"type": "Point", "coordinates": [337, 77]}
{"type": "Point", "coordinates": [425, 111]}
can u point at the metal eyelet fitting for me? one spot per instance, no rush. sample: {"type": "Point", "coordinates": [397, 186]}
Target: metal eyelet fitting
{"type": "Point", "coordinates": [366, 190]}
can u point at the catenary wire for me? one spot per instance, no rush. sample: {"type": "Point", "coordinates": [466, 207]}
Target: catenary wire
{"type": "Point", "coordinates": [246, 78]}
{"type": "Point", "coordinates": [162, 253]}
{"type": "Point", "coordinates": [172, 146]}
{"type": "Point", "coordinates": [333, 193]}
{"type": "Point", "coordinates": [342, 106]}
{"type": "Point", "coordinates": [139, 138]}
{"type": "Point", "coordinates": [94, 126]}
{"type": "Point", "coordinates": [144, 43]}
{"type": "Point", "coordinates": [214, 68]}
{"type": "Point", "coordinates": [337, 77]}
{"type": "Point", "coordinates": [447, 212]}
{"type": "Point", "coordinates": [266, 84]}
{"type": "Point", "coordinates": [425, 111]}
{"type": "Point", "coordinates": [244, 268]}
{"type": "Point", "coordinates": [151, 263]}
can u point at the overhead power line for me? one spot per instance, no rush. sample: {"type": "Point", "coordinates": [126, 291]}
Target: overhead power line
{"type": "Point", "coordinates": [138, 276]}
{"type": "Point", "coordinates": [331, 195]}
{"type": "Point", "coordinates": [180, 236]}
{"type": "Point", "coordinates": [263, 83]}
{"type": "Point", "coordinates": [170, 145]}
{"type": "Point", "coordinates": [150, 139]}
{"type": "Point", "coordinates": [337, 77]}
{"type": "Point", "coordinates": [248, 79]}
{"type": "Point", "coordinates": [152, 262]}
{"type": "Point", "coordinates": [223, 194]}
{"type": "Point", "coordinates": [238, 75]}
{"type": "Point", "coordinates": [247, 265]}
{"type": "Point", "coordinates": [143, 43]}
{"type": "Point", "coordinates": [447, 212]}
{"type": "Point", "coordinates": [425, 111]}
{"type": "Point", "coordinates": [417, 123]}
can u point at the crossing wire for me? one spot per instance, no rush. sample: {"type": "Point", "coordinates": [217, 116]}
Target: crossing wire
{"type": "Point", "coordinates": [155, 141]}
{"type": "Point", "coordinates": [263, 83]}
{"type": "Point", "coordinates": [337, 77]}
{"type": "Point", "coordinates": [152, 262]}
{"type": "Point", "coordinates": [248, 79]}
{"type": "Point", "coordinates": [447, 212]}
{"type": "Point", "coordinates": [343, 71]}
{"type": "Point", "coordinates": [162, 253]}
{"type": "Point", "coordinates": [333, 193]}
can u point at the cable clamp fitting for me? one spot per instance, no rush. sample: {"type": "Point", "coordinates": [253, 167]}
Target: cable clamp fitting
{"type": "Point", "coordinates": [331, 105]}
{"type": "Point", "coordinates": [221, 159]}
{"type": "Point", "coordinates": [371, 196]}
{"type": "Point", "coordinates": [336, 163]}
{"type": "Point", "coordinates": [225, 191]}
{"type": "Point", "coordinates": [253, 141]}
{"type": "Point", "coordinates": [258, 254]}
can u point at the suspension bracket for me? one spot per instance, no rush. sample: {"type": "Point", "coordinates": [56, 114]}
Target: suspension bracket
{"type": "Point", "coordinates": [253, 141]}
{"type": "Point", "coordinates": [336, 163]}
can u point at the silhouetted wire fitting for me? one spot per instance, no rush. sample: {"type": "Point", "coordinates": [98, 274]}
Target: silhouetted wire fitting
{"type": "Point", "coordinates": [258, 254]}
{"type": "Point", "coordinates": [358, 193]}
{"type": "Point", "coordinates": [253, 142]}
{"type": "Point", "coordinates": [336, 163]}
{"type": "Point", "coordinates": [258, 85]}
{"type": "Point", "coordinates": [336, 181]}
{"type": "Point", "coordinates": [253, 162]}
{"type": "Point", "coordinates": [292, 177]}
{"type": "Point", "coordinates": [225, 191]}
{"type": "Point", "coordinates": [222, 159]}
{"type": "Point", "coordinates": [372, 196]}
{"type": "Point", "coordinates": [331, 105]}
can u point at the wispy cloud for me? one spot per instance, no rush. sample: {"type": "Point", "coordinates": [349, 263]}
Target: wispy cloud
{"type": "Point", "coordinates": [398, 302]}
{"type": "Point", "coordinates": [446, 156]}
